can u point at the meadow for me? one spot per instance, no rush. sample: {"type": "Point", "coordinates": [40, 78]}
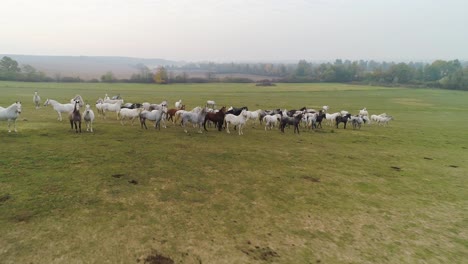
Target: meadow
{"type": "Point", "coordinates": [122, 194]}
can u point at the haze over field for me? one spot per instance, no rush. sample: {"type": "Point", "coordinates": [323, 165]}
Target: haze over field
{"type": "Point", "coordinates": [237, 30]}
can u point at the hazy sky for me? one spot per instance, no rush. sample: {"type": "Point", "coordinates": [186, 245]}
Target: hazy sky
{"type": "Point", "coordinates": [216, 30]}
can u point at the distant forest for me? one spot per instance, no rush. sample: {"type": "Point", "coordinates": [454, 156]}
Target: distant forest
{"type": "Point", "coordinates": [439, 74]}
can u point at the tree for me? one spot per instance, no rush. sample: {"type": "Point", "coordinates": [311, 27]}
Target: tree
{"type": "Point", "coordinates": [161, 76]}
{"type": "Point", "coordinates": [108, 77]}
{"type": "Point", "coordinates": [303, 68]}
{"type": "Point", "coordinates": [401, 73]}
{"type": "Point", "coordinates": [9, 69]}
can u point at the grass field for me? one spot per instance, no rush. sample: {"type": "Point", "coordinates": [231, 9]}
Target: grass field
{"type": "Point", "coordinates": [395, 194]}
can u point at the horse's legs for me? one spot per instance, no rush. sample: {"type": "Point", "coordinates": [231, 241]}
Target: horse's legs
{"type": "Point", "coordinates": [79, 123]}
{"type": "Point", "coordinates": [200, 131]}
{"type": "Point", "coordinates": [59, 116]}
{"type": "Point", "coordinates": [227, 128]}
{"type": "Point", "coordinates": [71, 124]}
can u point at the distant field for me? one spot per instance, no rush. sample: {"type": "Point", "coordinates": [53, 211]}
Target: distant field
{"type": "Point", "coordinates": [395, 194]}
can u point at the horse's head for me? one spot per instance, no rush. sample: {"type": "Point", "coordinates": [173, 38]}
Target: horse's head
{"type": "Point", "coordinates": [182, 107]}
{"type": "Point", "coordinates": [18, 107]}
{"type": "Point", "coordinates": [223, 109]}
{"type": "Point", "coordinates": [46, 102]}
{"type": "Point", "coordinates": [77, 105]}
{"type": "Point", "coordinates": [244, 114]}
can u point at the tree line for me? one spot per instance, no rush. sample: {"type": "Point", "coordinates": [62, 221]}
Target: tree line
{"type": "Point", "coordinates": [440, 73]}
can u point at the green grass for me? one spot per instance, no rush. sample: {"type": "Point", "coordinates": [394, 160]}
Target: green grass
{"type": "Point", "coordinates": [328, 196]}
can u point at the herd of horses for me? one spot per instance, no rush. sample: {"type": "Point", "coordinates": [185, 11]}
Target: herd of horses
{"type": "Point", "coordinates": [198, 117]}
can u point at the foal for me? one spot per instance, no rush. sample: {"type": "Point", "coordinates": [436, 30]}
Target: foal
{"type": "Point", "coordinates": [75, 117]}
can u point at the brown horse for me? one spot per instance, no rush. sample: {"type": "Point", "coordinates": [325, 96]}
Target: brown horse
{"type": "Point", "coordinates": [217, 118]}
{"type": "Point", "coordinates": [171, 112]}
{"type": "Point", "coordinates": [75, 117]}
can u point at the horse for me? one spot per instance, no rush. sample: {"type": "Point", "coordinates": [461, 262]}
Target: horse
{"type": "Point", "coordinates": [238, 120]}
{"type": "Point", "coordinates": [342, 119]}
{"type": "Point", "coordinates": [217, 118]}
{"type": "Point", "coordinates": [178, 104]}
{"type": "Point", "coordinates": [171, 112]}
{"type": "Point", "coordinates": [75, 117]}
{"type": "Point", "coordinates": [155, 115]}
{"type": "Point", "coordinates": [211, 104]}
{"type": "Point", "coordinates": [131, 105]}
{"type": "Point", "coordinates": [99, 104]}
{"type": "Point", "coordinates": [115, 107]}
{"type": "Point", "coordinates": [271, 120]}
{"type": "Point", "coordinates": [10, 114]}
{"type": "Point", "coordinates": [195, 118]}
{"type": "Point", "coordinates": [116, 97]}
{"type": "Point", "coordinates": [321, 115]}
{"type": "Point", "coordinates": [79, 99]}
{"type": "Point", "coordinates": [113, 101]}
{"type": "Point", "coordinates": [255, 115]}
{"type": "Point", "coordinates": [236, 110]}
{"type": "Point", "coordinates": [285, 120]}
{"type": "Point", "coordinates": [37, 100]}
{"type": "Point", "coordinates": [60, 108]}
{"type": "Point", "coordinates": [126, 113]}
{"type": "Point", "coordinates": [88, 117]}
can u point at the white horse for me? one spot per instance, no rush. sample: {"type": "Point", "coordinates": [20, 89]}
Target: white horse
{"type": "Point", "coordinates": [99, 103]}
{"type": "Point", "coordinates": [37, 100]}
{"type": "Point", "coordinates": [60, 108]}
{"type": "Point", "coordinates": [195, 118]}
{"type": "Point", "coordinates": [155, 115]}
{"type": "Point", "coordinates": [113, 101]}
{"type": "Point", "coordinates": [88, 117]}
{"type": "Point", "coordinates": [331, 118]}
{"type": "Point", "coordinates": [78, 99]}
{"type": "Point", "coordinates": [131, 114]}
{"type": "Point", "coordinates": [238, 121]}
{"type": "Point", "coordinates": [254, 115]}
{"type": "Point", "coordinates": [115, 107]}
{"type": "Point", "coordinates": [178, 104]}
{"type": "Point", "coordinates": [10, 114]}
{"type": "Point", "coordinates": [271, 121]}
{"type": "Point", "coordinates": [211, 104]}
{"type": "Point", "coordinates": [363, 112]}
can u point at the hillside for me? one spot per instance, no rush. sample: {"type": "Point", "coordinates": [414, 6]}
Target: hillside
{"type": "Point", "coordinates": [87, 67]}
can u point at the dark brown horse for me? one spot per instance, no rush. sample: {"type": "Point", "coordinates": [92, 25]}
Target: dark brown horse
{"type": "Point", "coordinates": [217, 118]}
{"type": "Point", "coordinates": [171, 112]}
{"type": "Point", "coordinates": [75, 117]}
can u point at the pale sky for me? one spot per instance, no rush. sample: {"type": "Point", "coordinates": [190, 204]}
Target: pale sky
{"type": "Point", "coordinates": [240, 30]}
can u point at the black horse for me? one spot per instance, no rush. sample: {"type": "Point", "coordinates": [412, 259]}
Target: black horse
{"type": "Point", "coordinates": [237, 110]}
{"type": "Point", "coordinates": [285, 120]}
{"type": "Point", "coordinates": [318, 122]}
{"type": "Point", "coordinates": [342, 119]}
